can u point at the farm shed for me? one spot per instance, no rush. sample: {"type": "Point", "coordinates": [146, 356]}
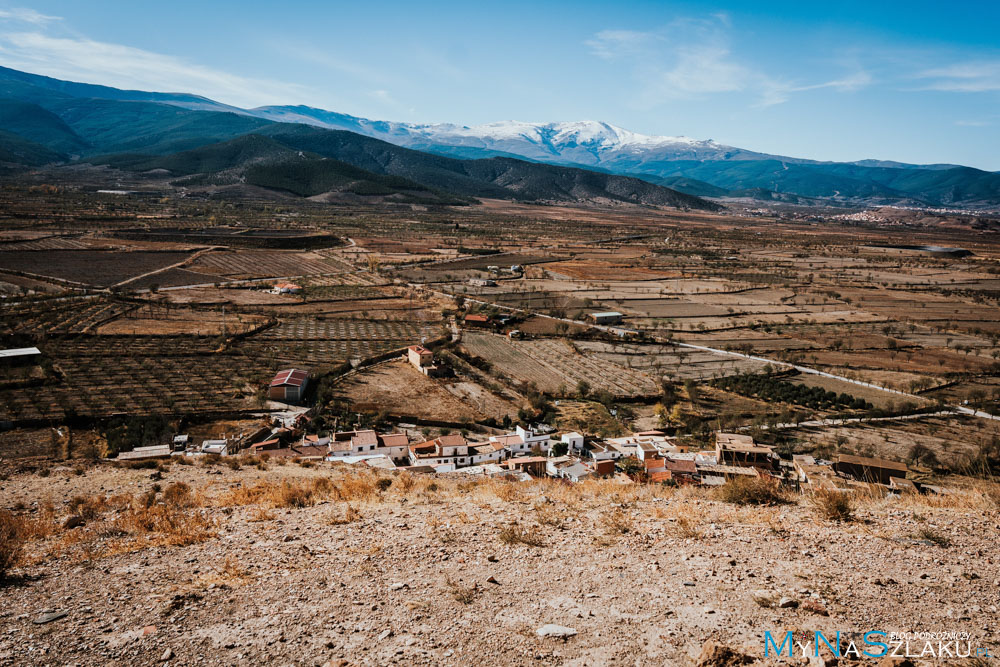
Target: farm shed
{"type": "Point", "coordinates": [286, 288]}
{"type": "Point", "coordinates": [608, 317]}
{"type": "Point", "coordinates": [870, 469]}
{"type": "Point", "coordinates": [21, 356]}
{"type": "Point", "coordinates": [151, 452]}
{"type": "Point", "coordinates": [481, 321]}
{"type": "Point", "coordinates": [288, 385]}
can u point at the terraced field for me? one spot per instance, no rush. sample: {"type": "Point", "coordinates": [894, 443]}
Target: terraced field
{"type": "Point", "coordinates": [555, 366]}
{"type": "Point", "coordinates": [73, 315]}
{"type": "Point", "coordinates": [352, 330]}
{"type": "Point", "coordinates": [314, 353]}
{"type": "Point", "coordinates": [264, 263]}
{"type": "Point", "coordinates": [100, 386]}
{"type": "Point", "coordinates": [100, 268]}
{"type": "Point", "coordinates": [668, 361]}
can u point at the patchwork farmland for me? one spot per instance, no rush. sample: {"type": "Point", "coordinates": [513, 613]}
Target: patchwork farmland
{"type": "Point", "coordinates": [555, 366]}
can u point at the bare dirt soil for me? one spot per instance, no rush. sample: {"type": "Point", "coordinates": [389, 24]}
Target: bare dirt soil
{"type": "Point", "coordinates": [315, 566]}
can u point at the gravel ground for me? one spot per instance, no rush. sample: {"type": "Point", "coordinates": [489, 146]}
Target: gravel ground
{"type": "Point", "coordinates": [429, 572]}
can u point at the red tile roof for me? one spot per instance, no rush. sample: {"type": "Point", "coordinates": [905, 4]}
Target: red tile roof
{"type": "Point", "coordinates": [681, 467]}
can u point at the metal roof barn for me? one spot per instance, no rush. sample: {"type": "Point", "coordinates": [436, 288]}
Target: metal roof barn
{"type": "Point", "coordinates": [288, 386]}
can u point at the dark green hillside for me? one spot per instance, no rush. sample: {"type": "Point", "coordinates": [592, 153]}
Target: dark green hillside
{"type": "Point", "coordinates": [231, 154]}
{"type": "Point", "coordinates": [40, 126]}
{"type": "Point", "coordinates": [19, 151]}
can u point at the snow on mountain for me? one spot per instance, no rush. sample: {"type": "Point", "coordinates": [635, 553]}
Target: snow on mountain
{"type": "Point", "coordinates": [586, 142]}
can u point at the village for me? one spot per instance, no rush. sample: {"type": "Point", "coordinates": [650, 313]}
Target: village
{"type": "Point", "coordinates": [538, 451]}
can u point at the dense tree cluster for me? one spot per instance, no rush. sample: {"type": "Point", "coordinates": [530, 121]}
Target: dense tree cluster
{"type": "Point", "coordinates": [770, 388]}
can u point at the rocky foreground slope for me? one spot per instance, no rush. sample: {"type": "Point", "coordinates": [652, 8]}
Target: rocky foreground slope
{"type": "Point", "coordinates": [208, 564]}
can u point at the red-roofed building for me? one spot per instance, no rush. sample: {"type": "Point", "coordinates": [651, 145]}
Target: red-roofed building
{"type": "Point", "coordinates": [480, 321]}
{"type": "Point", "coordinates": [288, 386]}
{"type": "Point", "coordinates": [286, 288]}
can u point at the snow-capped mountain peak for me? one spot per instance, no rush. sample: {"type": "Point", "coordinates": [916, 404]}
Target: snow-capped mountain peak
{"type": "Point", "coordinates": [586, 142]}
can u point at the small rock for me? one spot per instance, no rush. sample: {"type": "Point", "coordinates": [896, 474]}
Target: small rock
{"type": "Point", "coordinates": [788, 603]}
{"type": "Point", "coordinates": [50, 616]}
{"type": "Point", "coordinates": [714, 654]}
{"type": "Point", "coordinates": [398, 586]}
{"type": "Point", "coordinates": [71, 522]}
{"type": "Point", "coordinates": [557, 631]}
{"type": "Point", "coordinates": [385, 635]}
{"type": "Point", "coordinates": [492, 580]}
{"type": "Point", "coordinates": [491, 558]}
{"type": "Point", "coordinates": [815, 607]}
{"type": "Point", "coordinates": [149, 630]}
{"type": "Point", "coordinates": [167, 655]}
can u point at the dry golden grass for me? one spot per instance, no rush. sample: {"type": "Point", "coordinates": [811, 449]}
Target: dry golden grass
{"type": "Point", "coordinates": [286, 493]}
{"type": "Point", "coordinates": [687, 527]}
{"type": "Point", "coordinates": [179, 494]}
{"type": "Point", "coordinates": [832, 505]}
{"type": "Point", "coordinates": [514, 534]}
{"type": "Point", "coordinates": [462, 594]}
{"type": "Point", "coordinates": [261, 514]}
{"type": "Point", "coordinates": [931, 535]}
{"type": "Point", "coordinates": [617, 522]}
{"type": "Point", "coordinates": [11, 541]}
{"type": "Point", "coordinates": [347, 515]}
{"type": "Point", "coordinates": [752, 491]}
{"type": "Point", "coordinates": [548, 515]}
{"type": "Point", "coordinates": [164, 525]}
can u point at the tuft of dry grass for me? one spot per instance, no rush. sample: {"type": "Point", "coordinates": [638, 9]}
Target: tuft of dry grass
{"type": "Point", "coordinates": [618, 522]}
{"type": "Point", "coordinates": [88, 508]}
{"type": "Point", "coordinates": [504, 490]}
{"type": "Point", "coordinates": [991, 492]}
{"type": "Point", "coordinates": [547, 515]}
{"type": "Point", "coordinates": [404, 483]}
{"type": "Point", "coordinates": [178, 494]}
{"type": "Point", "coordinates": [164, 524]}
{"type": "Point", "coordinates": [832, 505]}
{"type": "Point", "coordinates": [348, 515]}
{"type": "Point", "coordinates": [286, 493]}
{"type": "Point", "coordinates": [687, 527]}
{"type": "Point", "coordinates": [261, 514]}
{"type": "Point", "coordinates": [12, 541]}
{"type": "Point", "coordinates": [514, 534]}
{"type": "Point", "coordinates": [931, 535]}
{"type": "Point", "coordinates": [752, 491]}
{"type": "Point", "coordinates": [462, 594]}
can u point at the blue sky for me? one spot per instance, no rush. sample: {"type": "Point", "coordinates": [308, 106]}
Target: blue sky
{"type": "Point", "coordinates": [914, 81]}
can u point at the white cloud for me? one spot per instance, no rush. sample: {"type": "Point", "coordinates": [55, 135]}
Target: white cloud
{"type": "Point", "coordinates": [80, 59]}
{"type": "Point", "coordinates": [692, 58]}
{"type": "Point", "coordinates": [25, 15]}
{"type": "Point", "coordinates": [968, 77]}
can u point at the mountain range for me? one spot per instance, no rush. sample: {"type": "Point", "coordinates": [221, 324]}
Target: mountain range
{"type": "Point", "coordinates": [44, 119]}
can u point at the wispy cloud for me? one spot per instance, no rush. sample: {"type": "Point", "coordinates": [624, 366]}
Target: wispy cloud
{"type": "Point", "coordinates": [25, 15]}
{"type": "Point", "coordinates": [966, 77]}
{"type": "Point", "coordinates": [81, 59]}
{"type": "Point", "coordinates": [692, 58]}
